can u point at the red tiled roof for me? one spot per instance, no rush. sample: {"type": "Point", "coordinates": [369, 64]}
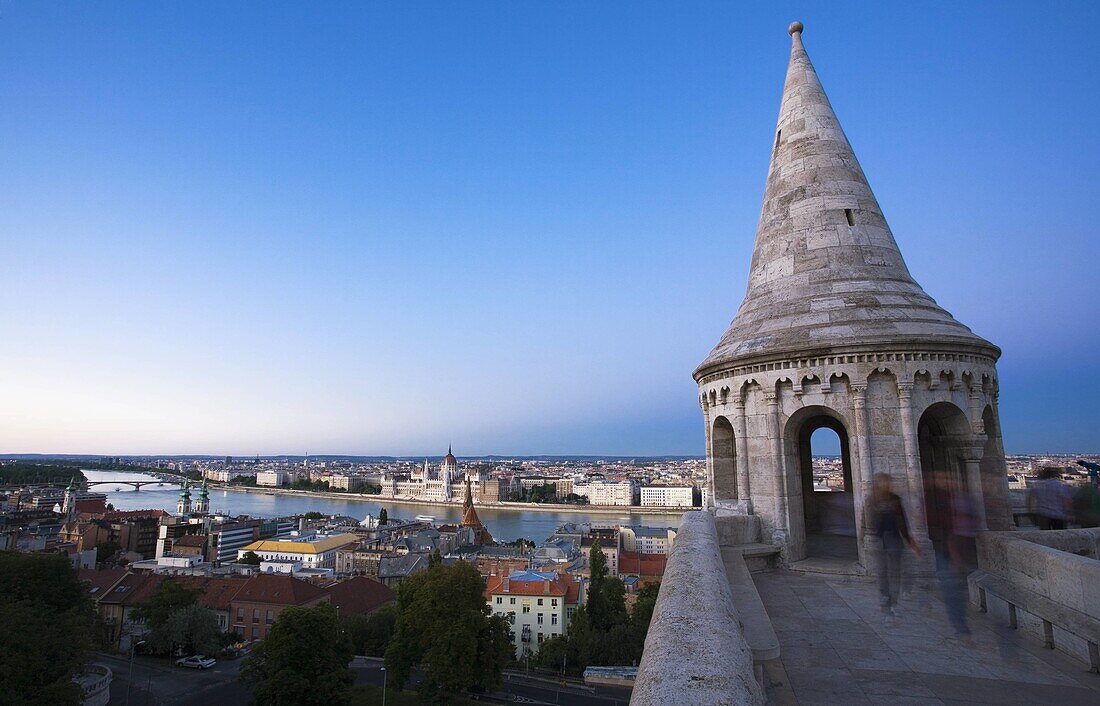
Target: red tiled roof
{"type": "Point", "coordinates": [100, 581]}
{"type": "Point", "coordinates": [216, 593]}
{"type": "Point", "coordinates": [278, 590]}
{"type": "Point", "coordinates": [124, 515]}
{"type": "Point", "coordinates": [561, 586]}
{"type": "Point", "coordinates": [133, 589]}
{"type": "Point", "coordinates": [642, 564]}
{"type": "Point", "coordinates": [359, 595]}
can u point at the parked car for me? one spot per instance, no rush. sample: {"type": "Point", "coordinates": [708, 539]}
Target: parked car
{"type": "Point", "coordinates": [197, 662]}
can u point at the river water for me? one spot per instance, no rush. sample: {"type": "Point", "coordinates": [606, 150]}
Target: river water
{"type": "Point", "coordinates": [505, 524]}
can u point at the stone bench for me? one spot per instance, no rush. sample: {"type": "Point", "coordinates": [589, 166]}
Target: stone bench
{"type": "Point", "coordinates": [743, 532]}
{"type": "Point", "coordinates": [757, 626]}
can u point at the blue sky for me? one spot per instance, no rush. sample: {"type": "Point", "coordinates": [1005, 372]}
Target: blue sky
{"type": "Point", "coordinates": [379, 228]}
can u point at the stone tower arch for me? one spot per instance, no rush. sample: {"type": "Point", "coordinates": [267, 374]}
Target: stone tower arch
{"type": "Point", "coordinates": [833, 329]}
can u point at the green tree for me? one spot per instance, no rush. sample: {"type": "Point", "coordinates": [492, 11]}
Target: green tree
{"type": "Point", "coordinates": [163, 602]}
{"type": "Point", "coordinates": [313, 515]}
{"type": "Point", "coordinates": [597, 572]}
{"type": "Point", "coordinates": [193, 628]}
{"type": "Point", "coordinates": [435, 559]}
{"type": "Point", "coordinates": [383, 517]}
{"type": "Point", "coordinates": [371, 634]}
{"type": "Point", "coordinates": [250, 557]}
{"type": "Point", "coordinates": [302, 661]}
{"type": "Point", "coordinates": [445, 626]}
{"type": "Point", "coordinates": [49, 627]}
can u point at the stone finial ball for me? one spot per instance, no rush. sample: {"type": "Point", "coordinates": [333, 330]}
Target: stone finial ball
{"type": "Point", "coordinates": [796, 26]}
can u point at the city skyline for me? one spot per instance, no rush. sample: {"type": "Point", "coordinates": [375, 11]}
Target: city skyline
{"type": "Point", "coordinates": [364, 232]}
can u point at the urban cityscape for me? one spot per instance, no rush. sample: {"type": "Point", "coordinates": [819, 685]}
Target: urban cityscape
{"type": "Point", "coordinates": [405, 236]}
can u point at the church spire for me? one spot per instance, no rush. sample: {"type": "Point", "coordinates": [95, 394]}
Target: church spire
{"type": "Point", "coordinates": [826, 272]}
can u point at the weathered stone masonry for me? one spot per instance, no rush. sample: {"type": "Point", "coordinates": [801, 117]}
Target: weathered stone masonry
{"type": "Point", "coordinates": [834, 332]}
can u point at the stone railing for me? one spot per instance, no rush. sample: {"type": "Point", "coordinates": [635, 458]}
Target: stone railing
{"type": "Point", "coordinates": [695, 651]}
{"type": "Point", "coordinates": [95, 685]}
{"type": "Point", "coordinates": [1046, 584]}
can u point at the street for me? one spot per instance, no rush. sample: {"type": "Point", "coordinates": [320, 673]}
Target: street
{"type": "Point", "coordinates": [528, 688]}
{"type": "Point", "coordinates": [159, 682]}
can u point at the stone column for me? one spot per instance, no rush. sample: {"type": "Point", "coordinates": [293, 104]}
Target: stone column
{"type": "Point", "coordinates": [976, 420]}
{"type": "Point", "coordinates": [782, 521]}
{"type": "Point", "coordinates": [741, 453]}
{"type": "Point", "coordinates": [974, 478]}
{"type": "Point", "coordinates": [709, 451]}
{"type": "Point", "coordinates": [863, 473]}
{"type": "Point", "coordinates": [918, 521]}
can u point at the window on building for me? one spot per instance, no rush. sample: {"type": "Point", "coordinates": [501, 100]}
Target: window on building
{"type": "Point", "coordinates": [540, 601]}
{"type": "Point", "coordinates": [540, 618]}
{"type": "Point", "coordinates": [270, 617]}
{"type": "Point", "coordinates": [526, 609]}
{"type": "Point", "coordinates": [850, 216]}
{"type": "Point", "coordinates": [554, 602]}
{"type": "Point", "coordinates": [512, 617]}
{"type": "Point", "coordinates": [553, 618]}
{"type": "Point", "coordinates": [512, 600]}
{"type": "Point", "coordinates": [255, 633]}
{"type": "Point", "coordinates": [499, 600]}
{"type": "Point", "coordinates": [540, 638]}
{"type": "Point", "coordinates": [255, 615]}
{"type": "Point", "coordinates": [240, 614]}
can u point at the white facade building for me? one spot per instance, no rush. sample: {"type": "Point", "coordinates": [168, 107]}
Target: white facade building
{"type": "Point", "coordinates": [318, 554]}
{"type": "Point", "coordinates": [667, 495]}
{"type": "Point", "coordinates": [270, 478]}
{"type": "Point", "coordinates": [537, 606]}
{"type": "Point", "coordinates": [603, 493]}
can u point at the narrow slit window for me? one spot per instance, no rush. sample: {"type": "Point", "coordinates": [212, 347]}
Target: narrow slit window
{"type": "Point", "coordinates": [778, 136]}
{"type": "Point", "coordinates": [850, 216]}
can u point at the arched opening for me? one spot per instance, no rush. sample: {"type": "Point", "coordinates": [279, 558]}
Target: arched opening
{"type": "Point", "coordinates": [943, 434]}
{"type": "Point", "coordinates": [827, 492]}
{"type": "Point", "coordinates": [723, 460]}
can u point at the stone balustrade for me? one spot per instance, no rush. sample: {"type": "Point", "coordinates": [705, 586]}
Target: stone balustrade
{"type": "Point", "coordinates": [695, 651]}
{"type": "Point", "coordinates": [1046, 584]}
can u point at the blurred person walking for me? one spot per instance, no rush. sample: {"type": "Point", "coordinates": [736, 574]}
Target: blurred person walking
{"type": "Point", "coordinates": [892, 530]}
{"type": "Point", "coordinates": [953, 527]}
{"type": "Point", "coordinates": [1050, 499]}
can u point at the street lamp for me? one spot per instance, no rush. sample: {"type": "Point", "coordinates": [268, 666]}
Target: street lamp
{"type": "Point", "coordinates": [130, 678]}
{"type": "Point", "coordinates": [383, 686]}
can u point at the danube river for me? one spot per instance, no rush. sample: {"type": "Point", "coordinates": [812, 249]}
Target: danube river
{"type": "Point", "coordinates": [505, 524]}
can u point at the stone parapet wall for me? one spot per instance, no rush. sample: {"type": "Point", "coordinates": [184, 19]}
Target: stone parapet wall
{"type": "Point", "coordinates": [695, 651]}
{"type": "Point", "coordinates": [1044, 583]}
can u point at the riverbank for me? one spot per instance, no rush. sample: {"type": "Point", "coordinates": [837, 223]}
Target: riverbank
{"type": "Point", "coordinates": [536, 507]}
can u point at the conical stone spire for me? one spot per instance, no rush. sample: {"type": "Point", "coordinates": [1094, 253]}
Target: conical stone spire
{"type": "Point", "coordinates": [826, 274]}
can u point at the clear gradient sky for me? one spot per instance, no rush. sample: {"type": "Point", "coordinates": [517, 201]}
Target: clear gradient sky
{"type": "Point", "coordinates": [378, 228]}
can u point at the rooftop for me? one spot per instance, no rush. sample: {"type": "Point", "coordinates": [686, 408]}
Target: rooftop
{"type": "Point", "coordinates": [289, 547]}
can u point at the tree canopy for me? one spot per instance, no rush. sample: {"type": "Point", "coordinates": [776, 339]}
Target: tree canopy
{"type": "Point", "coordinates": [250, 557]}
{"type": "Point", "coordinates": [302, 661]}
{"type": "Point", "coordinates": [371, 634]}
{"type": "Point", "coordinates": [175, 619]}
{"type": "Point", "coordinates": [49, 628]}
{"type": "Point", "coordinates": [605, 635]}
{"type": "Point", "coordinates": [445, 626]}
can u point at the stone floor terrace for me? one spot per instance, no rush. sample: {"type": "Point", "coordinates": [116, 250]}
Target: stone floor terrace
{"type": "Point", "coordinates": [837, 649]}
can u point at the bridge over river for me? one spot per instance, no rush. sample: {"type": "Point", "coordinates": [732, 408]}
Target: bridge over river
{"type": "Point", "coordinates": [159, 479]}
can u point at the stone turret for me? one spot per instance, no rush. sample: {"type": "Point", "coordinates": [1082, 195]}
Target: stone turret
{"type": "Point", "coordinates": [183, 505]}
{"type": "Point", "coordinates": [834, 332]}
{"type": "Point", "coordinates": [68, 506]}
{"type": "Point", "coordinates": [202, 503]}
